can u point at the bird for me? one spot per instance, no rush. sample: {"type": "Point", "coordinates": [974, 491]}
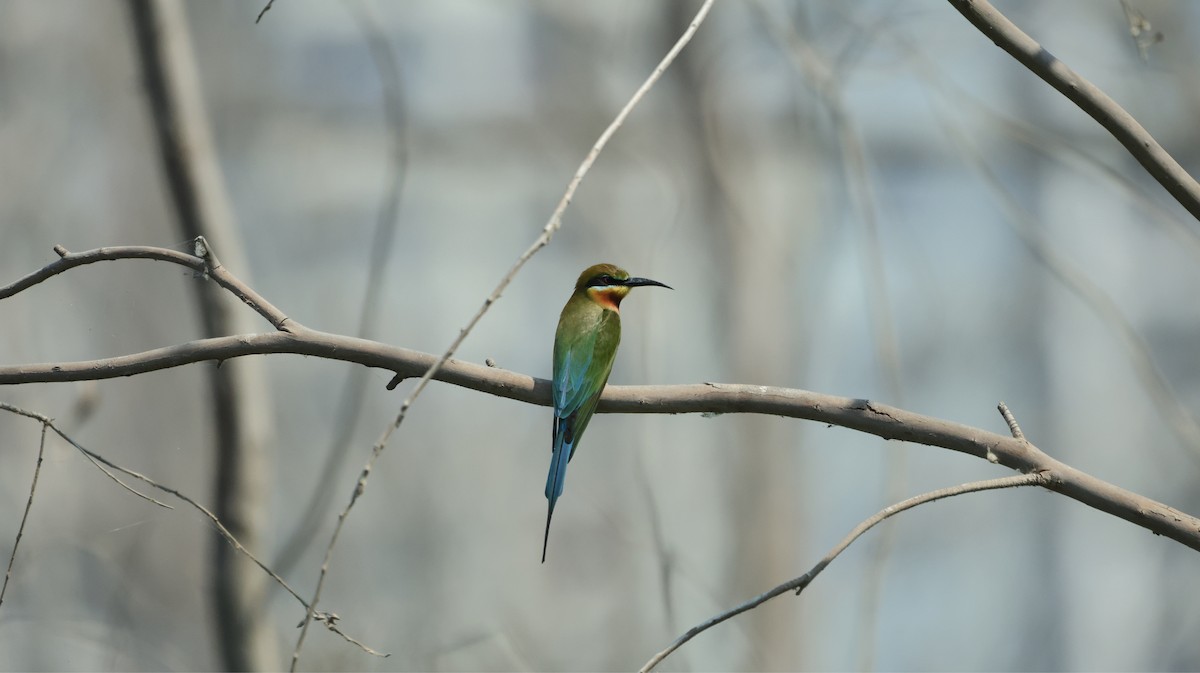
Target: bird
{"type": "Point", "coordinates": [585, 346]}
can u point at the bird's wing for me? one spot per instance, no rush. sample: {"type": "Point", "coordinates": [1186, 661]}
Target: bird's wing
{"type": "Point", "coordinates": [581, 369]}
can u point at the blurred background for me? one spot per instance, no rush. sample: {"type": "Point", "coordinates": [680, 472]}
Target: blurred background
{"type": "Point", "coordinates": [865, 199]}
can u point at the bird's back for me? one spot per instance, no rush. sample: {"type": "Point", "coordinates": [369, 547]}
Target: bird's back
{"type": "Point", "coordinates": [584, 349]}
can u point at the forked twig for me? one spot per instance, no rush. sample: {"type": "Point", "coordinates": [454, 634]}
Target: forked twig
{"type": "Point", "coordinates": [48, 422]}
{"type": "Point", "coordinates": [101, 462]}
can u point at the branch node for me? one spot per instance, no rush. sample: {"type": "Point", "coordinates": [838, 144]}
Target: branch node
{"type": "Point", "coordinates": [201, 249]}
{"type": "Point", "coordinates": [61, 251]}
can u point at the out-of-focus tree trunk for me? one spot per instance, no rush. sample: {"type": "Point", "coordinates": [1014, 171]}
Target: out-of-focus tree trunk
{"type": "Point", "coordinates": [751, 255]}
{"type": "Point", "coordinates": [240, 401]}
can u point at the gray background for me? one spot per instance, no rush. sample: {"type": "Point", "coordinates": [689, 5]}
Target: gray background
{"type": "Point", "coordinates": [730, 184]}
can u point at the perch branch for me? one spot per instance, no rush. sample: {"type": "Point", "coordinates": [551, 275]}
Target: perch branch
{"type": "Point", "coordinates": [709, 398]}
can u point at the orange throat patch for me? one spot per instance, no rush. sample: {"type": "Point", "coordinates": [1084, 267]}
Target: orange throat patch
{"type": "Point", "coordinates": [608, 297]}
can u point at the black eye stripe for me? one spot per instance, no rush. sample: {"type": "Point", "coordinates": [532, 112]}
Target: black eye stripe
{"type": "Point", "coordinates": [601, 281]}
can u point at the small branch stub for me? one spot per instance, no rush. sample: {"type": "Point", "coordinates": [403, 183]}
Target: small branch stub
{"type": "Point", "coordinates": [1011, 421]}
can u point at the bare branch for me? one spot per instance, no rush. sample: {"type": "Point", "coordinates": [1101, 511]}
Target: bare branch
{"type": "Point", "coordinates": [69, 260]}
{"type": "Point", "coordinates": [704, 398]}
{"type": "Point", "coordinates": [100, 465]}
{"type": "Point", "coordinates": [1136, 139]}
{"type": "Point", "coordinates": [48, 422]}
{"type": "Point", "coordinates": [798, 584]}
{"type": "Point", "coordinates": [204, 263]}
{"type": "Point", "coordinates": [227, 280]}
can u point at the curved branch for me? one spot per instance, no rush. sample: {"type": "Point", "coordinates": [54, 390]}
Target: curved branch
{"type": "Point", "coordinates": [709, 398]}
{"type": "Point", "coordinates": [800, 583]}
{"type": "Point", "coordinates": [204, 262]}
{"type": "Point", "coordinates": [70, 260]}
{"type": "Point", "coordinates": [1161, 165]}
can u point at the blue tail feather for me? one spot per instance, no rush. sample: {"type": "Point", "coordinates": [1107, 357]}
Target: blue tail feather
{"type": "Point", "coordinates": [557, 476]}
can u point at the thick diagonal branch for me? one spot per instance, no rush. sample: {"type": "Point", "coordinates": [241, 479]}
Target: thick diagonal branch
{"type": "Point", "coordinates": [1161, 165]}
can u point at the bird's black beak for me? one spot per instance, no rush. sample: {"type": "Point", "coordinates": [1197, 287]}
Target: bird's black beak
{"type": "Point", "coordinates": [641, 282]}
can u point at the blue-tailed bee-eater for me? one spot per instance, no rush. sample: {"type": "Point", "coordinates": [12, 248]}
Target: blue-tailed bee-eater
{"type": "Point", "coordinates": [585, 345]}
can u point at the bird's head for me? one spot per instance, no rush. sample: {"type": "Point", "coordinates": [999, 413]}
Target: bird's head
{"type": "Point", "coordinates": [607, 284]}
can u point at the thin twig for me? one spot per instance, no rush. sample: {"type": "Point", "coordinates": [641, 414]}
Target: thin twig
{"type": "Point", "coordinates": [25, 516]}
{"type": "Point", "coordinates": [48, 422]}
{"type": "Point", "coordinates": [798, 584]}
{"type": "Point", "coordinates": [100, 461]}
{"type": "Point", "coordinates": [552, 226]}
{"type": "Point", "coordinates": [264, 10]}
{"type": "Point", "coordinates": [94, 460]}
{"type": "Point", "coordinates": [331, 624]}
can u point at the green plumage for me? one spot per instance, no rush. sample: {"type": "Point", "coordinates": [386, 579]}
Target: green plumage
{"type": "Point", "coordinates": [585, 345]}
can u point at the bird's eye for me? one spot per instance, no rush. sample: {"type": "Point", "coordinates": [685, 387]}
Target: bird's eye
{"type": "Point", "coordinates": [601, 280]}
